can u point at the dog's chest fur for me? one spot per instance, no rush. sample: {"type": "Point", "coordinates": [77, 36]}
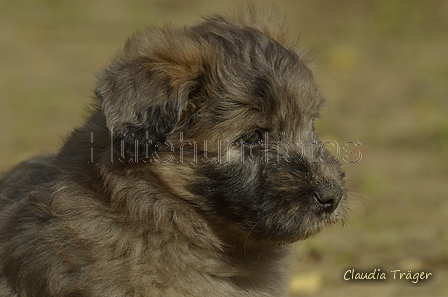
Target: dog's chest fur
{"type": "Point", "coordinates": [90, 251]}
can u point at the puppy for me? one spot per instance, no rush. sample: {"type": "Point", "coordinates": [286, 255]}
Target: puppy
{"type": "Point", "coordinates": [196, 169]}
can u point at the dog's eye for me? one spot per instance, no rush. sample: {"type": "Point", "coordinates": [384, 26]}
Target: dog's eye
{"type": "Point", "coordinates": [253, 138]}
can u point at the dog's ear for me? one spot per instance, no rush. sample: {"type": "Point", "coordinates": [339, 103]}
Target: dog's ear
{"type": "Point", "coordinates": [144, 91]}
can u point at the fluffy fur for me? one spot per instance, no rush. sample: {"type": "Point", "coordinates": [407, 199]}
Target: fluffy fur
{"type": "Point", "coordinates": [196, 168]}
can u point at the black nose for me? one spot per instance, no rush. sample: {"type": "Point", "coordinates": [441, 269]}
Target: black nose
{"type": "Point", "coordinates": [328, 196]}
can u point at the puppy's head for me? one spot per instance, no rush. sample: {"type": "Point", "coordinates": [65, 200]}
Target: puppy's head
{"type": "Point", "coordinates": [223, 113]}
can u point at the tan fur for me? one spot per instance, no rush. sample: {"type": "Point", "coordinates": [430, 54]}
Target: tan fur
{"type": "Point", "coordinates": [183, 180]}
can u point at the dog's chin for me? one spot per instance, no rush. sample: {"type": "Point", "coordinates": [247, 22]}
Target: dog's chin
{"type": "Point", "coordinates": [304, 227]}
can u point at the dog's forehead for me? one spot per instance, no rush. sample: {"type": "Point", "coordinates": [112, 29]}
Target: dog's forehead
{"type": "Point", "coordinates": [270, 78]}
{"type": "Point", "coordinates": [298, 99]}
{"type": "Point", "coordinates": [253, 75]}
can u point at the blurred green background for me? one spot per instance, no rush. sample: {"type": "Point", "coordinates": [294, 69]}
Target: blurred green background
{"type": "Point", "coordinates": [383, 66]}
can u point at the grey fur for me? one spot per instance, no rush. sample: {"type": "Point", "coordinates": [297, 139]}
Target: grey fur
{"type": "Point", "coordinates": [127, 216]}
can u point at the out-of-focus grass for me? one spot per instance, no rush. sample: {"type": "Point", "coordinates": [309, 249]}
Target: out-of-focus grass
{"type": "Point", "coordinates": [383, 66]}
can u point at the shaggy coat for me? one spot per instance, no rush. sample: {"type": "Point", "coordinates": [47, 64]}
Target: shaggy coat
{"type": "Point", "coordinates": [196, 169]}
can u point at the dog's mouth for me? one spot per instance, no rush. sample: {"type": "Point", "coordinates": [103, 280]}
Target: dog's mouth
{"type": "Point", "coordinates": [281, 220]}
{"type": "Point", "coordinates": [295, 224]}
{"type": "Point", "coordinates": [298, 212]}
{"type": "Point", "coordinates": [274, 203]}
